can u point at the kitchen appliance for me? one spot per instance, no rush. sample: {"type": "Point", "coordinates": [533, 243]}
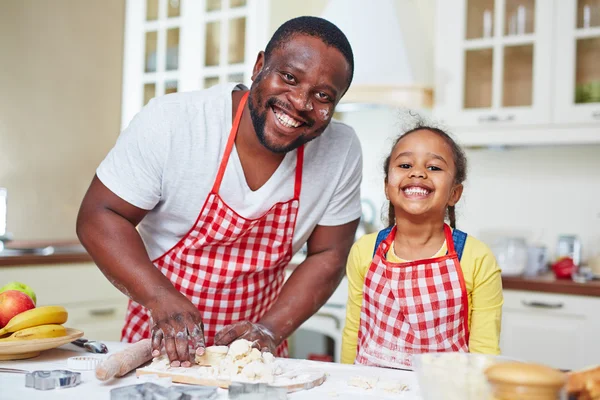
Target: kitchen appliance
{"type": "Point", "coordinates": [569, 246]}
{"type": "Point", "coordinates": [511, 254]}
{"type": "Point", "coordinates": [367, 219]}
{"type": "Point", "coordinates": [537, 260]}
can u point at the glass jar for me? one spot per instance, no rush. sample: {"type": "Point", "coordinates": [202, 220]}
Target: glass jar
{"type": "Point", "coordinates": [511, 255]}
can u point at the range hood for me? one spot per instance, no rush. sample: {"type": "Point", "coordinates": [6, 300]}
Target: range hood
{"type": "Point", "coordinates": [392, 41]}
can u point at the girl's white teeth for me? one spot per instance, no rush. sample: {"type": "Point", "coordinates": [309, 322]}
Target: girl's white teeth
{"type": "Point", "coordinates": [416, 190]}
{"type": "Point", "coordinates": [286, 120]}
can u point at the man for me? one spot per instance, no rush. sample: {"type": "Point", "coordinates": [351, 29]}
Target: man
{"type": "Point", "coordinates": [224, 185]}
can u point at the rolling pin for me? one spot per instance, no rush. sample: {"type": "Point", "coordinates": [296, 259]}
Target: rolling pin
{"type": "Point", "coordinates": [121, 363]}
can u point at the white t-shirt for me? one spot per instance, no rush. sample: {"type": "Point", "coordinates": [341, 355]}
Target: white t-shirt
{"type": "Point", "coordinates": [167, 159]}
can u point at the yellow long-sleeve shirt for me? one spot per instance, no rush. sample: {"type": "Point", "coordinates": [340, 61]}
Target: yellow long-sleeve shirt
{"type": "Point", "coordinates": [482, 280]}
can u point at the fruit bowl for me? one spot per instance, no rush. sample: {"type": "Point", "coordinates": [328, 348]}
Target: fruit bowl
{"type": "Point", "coordinates": [454, 376]}
{"type": "Point", "coordinates": [21, 349]}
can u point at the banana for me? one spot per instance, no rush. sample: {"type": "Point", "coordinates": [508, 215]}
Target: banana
{"type": "Point", "coordinates": [38, 332]}
{"type": "Point", "coordinates": [36, 316]}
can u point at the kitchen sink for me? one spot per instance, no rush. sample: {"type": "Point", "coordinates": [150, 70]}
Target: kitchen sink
{"type": "Point", "coordinates": [42, 251]}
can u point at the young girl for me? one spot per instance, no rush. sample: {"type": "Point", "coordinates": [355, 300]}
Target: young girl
{"type": "Point", "coordinates": [420, 285]}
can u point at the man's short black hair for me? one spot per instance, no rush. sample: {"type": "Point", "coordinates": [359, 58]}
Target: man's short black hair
{"type": "Point", "coordinates": [317, 27]}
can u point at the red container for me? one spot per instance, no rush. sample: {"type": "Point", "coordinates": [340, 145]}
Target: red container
{"type": "Point", "coordinates": [564, 268]}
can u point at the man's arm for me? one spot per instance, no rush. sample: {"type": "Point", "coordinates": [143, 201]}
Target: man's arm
{"type": "Point", "coordinates": [106, 226]}
{"type": "Point", "coordinates": [304, 293]}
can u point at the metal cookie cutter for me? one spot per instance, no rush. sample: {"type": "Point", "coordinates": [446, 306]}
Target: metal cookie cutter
{"type": "Point", "coordinates": [55, 379]}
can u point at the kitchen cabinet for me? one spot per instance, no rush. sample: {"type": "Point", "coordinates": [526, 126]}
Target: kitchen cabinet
{"type": "Point", "coordinates": [95, 306]}
{"type": "Point", "coordinates": [554, 329]}
{"type": "Point", "coordinates": [518, 71]}
{"type": "Point", "coordinates": [578, 46]}
{"type": "Point", "coordinates": [182, 45]}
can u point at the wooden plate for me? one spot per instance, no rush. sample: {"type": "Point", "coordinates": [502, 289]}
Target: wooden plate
{"type": "Point", "coordinates": [312, 378]}
{"type": "Point", "coordinates": [32, 348]}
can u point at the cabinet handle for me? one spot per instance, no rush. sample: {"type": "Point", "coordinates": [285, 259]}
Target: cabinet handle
{"type": "Point", "coordinates": [596, 115]}
{"type": "Point", "coordinates": [489, 118]}
{"type": "Point", "coordinates": [495, 118]}
{"type": "Point", "coordinates": [539, 304]}
{"type": "Point", "coordinates": [103, 312]}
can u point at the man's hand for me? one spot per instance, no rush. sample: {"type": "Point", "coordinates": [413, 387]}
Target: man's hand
{"type": "Point", "coordinates": [257, 333]}
{"type": "Point", "coordinates": [177, 323]}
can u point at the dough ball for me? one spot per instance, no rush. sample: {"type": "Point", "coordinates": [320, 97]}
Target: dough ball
{"type": "Point", "coordinates": [268, 358]}
{"type": "Point", "coordinates": [239, 348]}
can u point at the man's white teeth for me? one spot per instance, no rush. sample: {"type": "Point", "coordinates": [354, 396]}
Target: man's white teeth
{"type": "Point", "coordinates": [416, 191]}
{"type": "Point", "coordinates": [286, 120]}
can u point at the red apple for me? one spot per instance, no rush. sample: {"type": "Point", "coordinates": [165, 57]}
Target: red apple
{"type": "Point", "coordinates": [13, 302]}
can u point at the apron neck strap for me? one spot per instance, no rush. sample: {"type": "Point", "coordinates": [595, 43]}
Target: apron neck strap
{"type": "Point", "coordinates": [449, 241]}
{"type": "Point", "coordinates": [299, 163]}
{"type": "Point", "coordinates": [231, 140]}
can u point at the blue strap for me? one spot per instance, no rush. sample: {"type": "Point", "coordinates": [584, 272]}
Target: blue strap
{"type": "Point", "coordinates": [458, 237]}
{"type": "Point", "coordinates": [381, 237]}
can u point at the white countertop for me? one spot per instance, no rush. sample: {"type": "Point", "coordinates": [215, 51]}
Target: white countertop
{"type": "Point", "coordinates": [12, 386]}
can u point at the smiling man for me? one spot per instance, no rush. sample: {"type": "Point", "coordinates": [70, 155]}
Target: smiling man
{"type": "Point", "coordinates": [199, 207]}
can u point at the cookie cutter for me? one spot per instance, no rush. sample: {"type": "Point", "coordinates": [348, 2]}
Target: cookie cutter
{"type": "Point", "coordinates": [54, 379]}
{"type": "Point", "coordinates": [252, 391]}
{"type": "Point", "coordinates": [149, 390]}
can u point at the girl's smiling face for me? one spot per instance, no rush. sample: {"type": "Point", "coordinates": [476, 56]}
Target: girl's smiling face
{"type": "Point", "coordinates": [421, 176]}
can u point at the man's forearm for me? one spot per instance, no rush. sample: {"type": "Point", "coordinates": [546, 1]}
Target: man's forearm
{"type": "Point", "coordinates": [305, 292]}
{"type": "Point", "coordinates": [119, 252]}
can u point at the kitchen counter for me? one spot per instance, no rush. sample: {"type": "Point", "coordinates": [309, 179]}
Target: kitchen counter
{"type": "Point", "coordinates": [12, 386]}
{"type": "Point", "coordinates": [34, 259]}
{"type": "Point", "coordinates": [549, 284]}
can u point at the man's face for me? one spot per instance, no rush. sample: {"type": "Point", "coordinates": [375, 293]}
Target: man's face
{"type": "Point", "coordinates": [294, 93]}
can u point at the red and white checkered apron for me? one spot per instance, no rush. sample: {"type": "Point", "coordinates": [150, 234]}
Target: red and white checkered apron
{"type": "Point", "coordinates": [232, 268]}
{"type": "Point", "coordinates": [411, 308]}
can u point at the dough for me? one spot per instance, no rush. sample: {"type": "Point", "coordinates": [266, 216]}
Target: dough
{"type": "Point", "coordinates": [161, 363]}
{"type": "Point", "coordinates": [255, 355]}
{"type": "Point", "coordinates": [212, 356]}
{"type": "Point", "coordinates": [392, 386]}
{"type": "Point", "coordinates": [268, 358]}
{"type": "Point", "coordinates": [257, 370]}
{"type": "Point", "coordinates": [363, 382]}
{"type": "Point", "coordinates": [240, 348]}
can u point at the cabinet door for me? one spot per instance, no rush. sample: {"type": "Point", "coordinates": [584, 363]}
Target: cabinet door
{"type": "Point", "coordinates": [556, 330]}
{"type": "Point", "coordinates": [182, 45]}
{"type": "Point", "coordinates": [492, 62]}
{"type": "Point", "coordinates": [578, 61]}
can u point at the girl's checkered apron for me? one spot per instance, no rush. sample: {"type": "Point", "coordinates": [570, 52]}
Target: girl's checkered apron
{"type": "Point", "coordinates": [414, 307]}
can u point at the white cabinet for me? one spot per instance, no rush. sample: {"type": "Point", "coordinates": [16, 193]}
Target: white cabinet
{"type": "Point", "coordinates": [578, 64]}
{"type": "Point", "coordinates": [518, 71]}
{"type": "Point", "coordinates": [95, 306]}
{"type": "Point", "coordinates": [553, 329]}
{"type": "Point", "coordinates": [181, 45]}
{"type": "Point", "coordinates": [492, 62]}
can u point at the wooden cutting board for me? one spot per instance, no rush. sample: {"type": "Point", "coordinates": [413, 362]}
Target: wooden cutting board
{"type": "Point", "coordinates": [308, 377]}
